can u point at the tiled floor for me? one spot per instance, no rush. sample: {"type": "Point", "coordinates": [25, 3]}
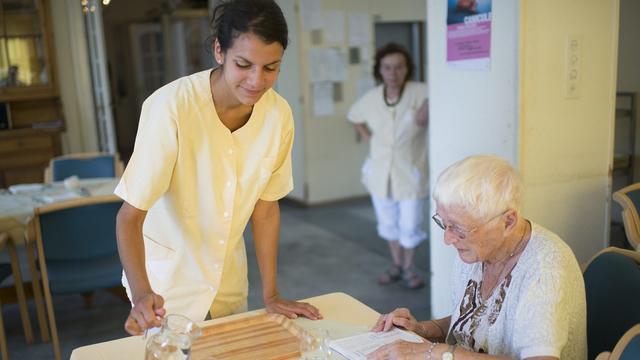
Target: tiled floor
{"type": "Point", "coordinates": [322, 249]}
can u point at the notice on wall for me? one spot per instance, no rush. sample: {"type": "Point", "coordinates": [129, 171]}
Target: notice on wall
{"type": "Point", "coordinates": [311, 14]}
{"type": "Point", "coordinates": [323, 104]}
{"type": "Point", "coordinates": [469, 34]}
{"type": "Point", "coordinates": [327, 65]}
{"type": "Point", "coordinates": [334, 27]}
{"type": "Point", "coordinates": [359, 29]}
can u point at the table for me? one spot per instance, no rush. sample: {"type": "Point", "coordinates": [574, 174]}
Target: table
{"type": "Point", "coordinates": [343, 316]}
{"type": "Point", "coordinates": [16, 210]}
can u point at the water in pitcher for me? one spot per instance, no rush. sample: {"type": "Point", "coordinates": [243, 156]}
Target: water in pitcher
{"type": "Point", "coordinates": [173, 341]}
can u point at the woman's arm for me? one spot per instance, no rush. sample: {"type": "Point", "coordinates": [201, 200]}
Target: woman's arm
{"type": "Point", "coordinates": [433, 351]}
{"type": "Point", "coordinates": [364, 131]}
{"type": "Point", "coordinates": [422, 115]}
{"type": "Point", "coordinates": [265, 222]}
{"type": "Point", "coordinates": [435, 330]}
{"type": "Point", "coordinates": [147, 305]}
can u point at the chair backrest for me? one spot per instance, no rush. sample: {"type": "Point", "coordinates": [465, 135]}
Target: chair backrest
{"type": "Point", "coordinates": [629, 198]}
{"type": "Point", "coordinates": [79, 229]}
{"type": "Point", "coordinates": [84, 165]}
{"type": "Point", "coordinates": [628, 348]}
{"type": "Point", "coordinates": [632, 350]}
{"type": "Point", "coordinates": [612, 284]}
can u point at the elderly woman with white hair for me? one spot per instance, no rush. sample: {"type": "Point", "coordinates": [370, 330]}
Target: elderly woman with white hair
{"type": "Point", "coordinates": [518, 292]}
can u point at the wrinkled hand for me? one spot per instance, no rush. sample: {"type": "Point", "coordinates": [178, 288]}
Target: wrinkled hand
{"type": "Point", "coordinates": [401, 349]}
{"type": "Point", "coordinates": [147, 312]}
{"type": "Point", "coordinates": [399, 317]}
{"type": "Point", "coordinates": [291, 309]}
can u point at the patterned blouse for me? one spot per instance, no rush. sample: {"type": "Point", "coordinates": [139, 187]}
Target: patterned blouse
{"type": "Point", "coordinates": [539, 309]}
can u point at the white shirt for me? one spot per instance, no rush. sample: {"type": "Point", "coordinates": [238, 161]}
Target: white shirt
{"type": "Point", "coordinates": [200, 183]}
{"type": "Point", "coordinates": [398, 151]}
{"type": "Point", "coordinates": [538, 310]}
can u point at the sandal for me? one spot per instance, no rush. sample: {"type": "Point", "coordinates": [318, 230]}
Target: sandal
{"type": "Point", "coordinates": [412, 280]}
{"type": "Point", "coordinates": [391, 275]}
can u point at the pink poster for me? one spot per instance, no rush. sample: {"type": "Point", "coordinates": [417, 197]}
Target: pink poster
{"type": "Point", "coordinates": [469, 34]}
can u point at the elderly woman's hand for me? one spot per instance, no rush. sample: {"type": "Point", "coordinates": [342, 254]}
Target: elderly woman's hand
{"type": "Point", "coordinates": [401, 349]}
{"type": "Point", "coordinates": [399, 317]}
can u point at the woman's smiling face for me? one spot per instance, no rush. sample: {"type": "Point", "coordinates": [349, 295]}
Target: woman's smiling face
{"type": "Point", "coordinates": [250, 66]}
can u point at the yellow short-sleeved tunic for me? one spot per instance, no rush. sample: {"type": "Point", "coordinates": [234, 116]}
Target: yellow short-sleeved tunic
{"type": "Point", "coordinates": [200, 183]}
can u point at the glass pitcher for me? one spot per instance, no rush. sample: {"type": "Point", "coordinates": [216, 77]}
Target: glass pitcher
{"type": "Point", "coordinates": [173, 341]}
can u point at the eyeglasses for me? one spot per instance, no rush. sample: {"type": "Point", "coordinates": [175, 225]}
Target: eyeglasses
{"type": "Point", "coordinates": [459, 231]}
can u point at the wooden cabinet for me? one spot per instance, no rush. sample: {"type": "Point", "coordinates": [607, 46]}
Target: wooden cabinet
{"type": "Point", "coordinates": [30, 109]}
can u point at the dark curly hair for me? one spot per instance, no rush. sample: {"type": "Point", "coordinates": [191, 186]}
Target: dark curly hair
{"type": "Point", "coordinates": [262, 18]}
{"type": "Point", "coordinates": [392, 48]}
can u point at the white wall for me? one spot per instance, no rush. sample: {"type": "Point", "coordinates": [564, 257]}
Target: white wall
{"type": "Point", "coordinates": [518, 110]}
{"type": "Point", "coordinates": [471, 112]}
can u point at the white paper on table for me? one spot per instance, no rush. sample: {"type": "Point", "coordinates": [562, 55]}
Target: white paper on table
{"type": "Point", "coordinates": [64, 196]}
{"type": "Point", "coordinates": [311, 14]}
{"type": "Point", "coordinates": [323, 99]}
{"type": "Point", "coordinates": [333, 27]}
{"type": "Point", "coordinates": [327, 65]}
{"type": "Point", "coordinates": [25, 188]}
{"type": "Point", "coordinates": [359, 346]}
{"type": "Point", "coordinates": [359, 29]}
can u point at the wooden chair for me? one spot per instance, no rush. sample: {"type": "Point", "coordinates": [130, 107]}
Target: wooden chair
{"type": "Point", "coordinates": [77, 250]}
{"type": "Point", "coordinates": [612, 284]}
{"type": "Point", "coordinates": [628, 348]}
{"type": "Point", "coordinates": [84, 165]}
{"type": "Point", "coordinates": [5, 241]}
{"type": "Point", "coordinates": [629, 198]}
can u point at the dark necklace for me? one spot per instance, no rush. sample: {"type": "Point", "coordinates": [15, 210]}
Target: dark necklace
{"type": "Point", "coordinates": [386, 101]}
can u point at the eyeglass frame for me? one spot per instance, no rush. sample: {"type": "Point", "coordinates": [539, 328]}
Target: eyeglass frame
{"type": "Point", "coordinates": [459, 231]}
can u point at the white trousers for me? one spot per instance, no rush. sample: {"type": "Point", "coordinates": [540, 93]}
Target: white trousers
{"type": "Point", "coordinates": [400, 220]}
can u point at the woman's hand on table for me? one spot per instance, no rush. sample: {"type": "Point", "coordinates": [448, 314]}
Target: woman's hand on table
{"type": "Point", "coordinates": [147, 312]}
{"type": "Point", "coordinates": [399, 317]}
{"type": "Point", "coordinates": [401, 349]}
{"type": "Point", "coordinates": [291, 309]}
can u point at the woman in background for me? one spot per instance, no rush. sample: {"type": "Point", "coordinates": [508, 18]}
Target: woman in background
{"type": "Point", "coordinates": [393, 118]}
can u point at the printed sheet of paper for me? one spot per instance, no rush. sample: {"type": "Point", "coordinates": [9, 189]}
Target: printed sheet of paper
{"type": "Point", "coordinates": [359, 346]}
{"type": "Point", "coordinates": [323, 104]}
{"type": "Point", "coordinates": [311, 14]}
{"type": "Point", "coordinates": [327, 65]}
{"type": "Point", "coordinates": [359, 29]}
{"type": "Point", "coordinates": [334, 27]}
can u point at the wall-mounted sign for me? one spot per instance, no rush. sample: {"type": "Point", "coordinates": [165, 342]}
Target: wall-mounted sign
{"type": "Point", "coordinates": [469, 34]}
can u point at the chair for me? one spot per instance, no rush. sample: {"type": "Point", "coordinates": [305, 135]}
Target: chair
{"type": "Point", "coordinates": [77, 250]}
{"type": "Point", "coordinates": [629, 198]}
{"type": "Point", "coordinates": [612, 284]}
{"type": "Point", "coordinates": [7, 270]}
{"type": "Point", "coordinates": [83, 165]}
{"type": "Point", "coordinates": [628, 348]}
